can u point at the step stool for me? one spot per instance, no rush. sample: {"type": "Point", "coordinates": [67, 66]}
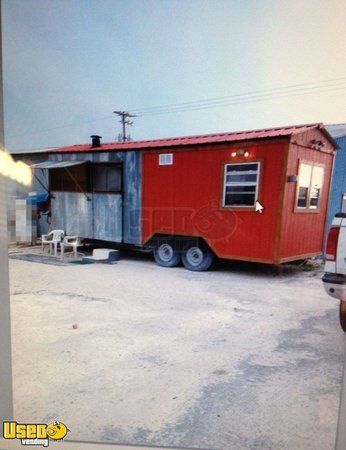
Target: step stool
{"type": "Point", "coordinates": [102, 255]}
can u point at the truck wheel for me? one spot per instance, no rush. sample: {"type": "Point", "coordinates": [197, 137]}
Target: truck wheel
{"type": "Point", "coordinates": [342, 315]}
{"type": "Point", "coordinates": [197, 258]}
{"type": "Point", "coordinates": [165, 255]}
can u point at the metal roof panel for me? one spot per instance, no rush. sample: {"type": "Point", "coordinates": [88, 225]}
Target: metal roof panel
{"type": "Point", "coordinates": [197, 140]}
{"type": "Point", "coordinates": [55, 164]}
{"type": "Point", "coordinates": [337, 130]}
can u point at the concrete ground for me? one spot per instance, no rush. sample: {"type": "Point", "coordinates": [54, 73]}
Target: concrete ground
{"type": "Point", "coordinates": [239, 357]}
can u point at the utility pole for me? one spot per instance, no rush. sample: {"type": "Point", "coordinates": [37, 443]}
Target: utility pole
{"type": "Point", "coordinates": [125, 116]}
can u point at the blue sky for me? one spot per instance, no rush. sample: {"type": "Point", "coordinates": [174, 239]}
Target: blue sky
{"type": "Point", "coordinates": [69, 63]}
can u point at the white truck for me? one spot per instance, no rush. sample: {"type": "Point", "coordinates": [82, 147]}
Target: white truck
{"type": "Point", "coordinates": [334, 279]}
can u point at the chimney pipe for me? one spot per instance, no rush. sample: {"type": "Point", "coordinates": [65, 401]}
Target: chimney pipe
{"type": "Point", "coordinates": [96, 141]}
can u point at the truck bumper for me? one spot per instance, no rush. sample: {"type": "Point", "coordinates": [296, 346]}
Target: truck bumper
{"type": "Point", "coordinates": [335, 285]}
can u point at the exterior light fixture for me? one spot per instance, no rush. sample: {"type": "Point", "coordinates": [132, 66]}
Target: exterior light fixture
{"type": "Point", "coordinates": [317, 142]}
{"type": "Point", "coordinates": [240, 152]}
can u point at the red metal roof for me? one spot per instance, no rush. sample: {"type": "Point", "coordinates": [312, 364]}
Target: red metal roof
{"type": "Point", "coordinates": [198, 140]}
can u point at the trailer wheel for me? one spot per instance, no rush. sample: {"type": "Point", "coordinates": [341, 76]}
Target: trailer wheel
{"type": "Point", "coordinates": [342, 315]}
{"type": "Point", "coordinates": [165, 255]}
{"type": "Point", "coordinates": [197, 258]}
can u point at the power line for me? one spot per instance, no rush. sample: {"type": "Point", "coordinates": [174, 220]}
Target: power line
{"type": "Point", "coordinates": [245, 98]}
{"type": "Point", "coordinates": [230, 100]}
{"type": "Point", "coordinates": [253, 99]}
{"type": "Point", "coordinates": [311, 85]}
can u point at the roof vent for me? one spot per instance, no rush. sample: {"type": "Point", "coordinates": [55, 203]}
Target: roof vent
{"type": "Point", "coordinates": [96, 141]}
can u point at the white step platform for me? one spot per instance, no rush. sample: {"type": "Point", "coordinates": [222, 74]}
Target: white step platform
{"type": "Point", "coordinates": [103, 255]}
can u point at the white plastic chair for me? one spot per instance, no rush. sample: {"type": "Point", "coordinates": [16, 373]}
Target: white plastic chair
{"type": "Point", "coordinates": [52, 239]}
{"type": "Point", "coordinates": [72, 242]}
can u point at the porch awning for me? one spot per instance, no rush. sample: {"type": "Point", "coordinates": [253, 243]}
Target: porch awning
{"type": "Point", "coordinates": [56, 164]}
{"type": "Point", "coordinates": [39, 198]}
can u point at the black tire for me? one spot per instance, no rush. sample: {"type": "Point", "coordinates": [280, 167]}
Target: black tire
{"type": "Point", "coordinates": [197, 258]}
{"type": "Point", "coordinates": [166, 255]}
{"type": "Point", "coordinates": [342, 315]}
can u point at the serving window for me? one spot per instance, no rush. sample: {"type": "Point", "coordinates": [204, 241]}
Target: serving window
{"type": "Point", "coordinates": [241, 181]}
{"type": "Point", "coordinates": [70, 179]}
{"type": "Point", "coordinates": [106, 177]}
{"type": "Point", "coordinates": [309, 189]}
{"type": "Point", "coordinates": [97, 177]}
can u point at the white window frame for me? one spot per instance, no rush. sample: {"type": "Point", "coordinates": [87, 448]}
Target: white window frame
{"type": "Point", "coordinates": [308, 207]}
{"type": "Point", "coordinates": [165, 159]}
{"type": "Point", "coordinates": [241, 183]}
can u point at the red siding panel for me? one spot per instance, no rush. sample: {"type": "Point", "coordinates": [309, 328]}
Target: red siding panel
{"type": "Point", "coordinates": [303, 232]}
{"type": "Point", "coordinates": [186, 199]}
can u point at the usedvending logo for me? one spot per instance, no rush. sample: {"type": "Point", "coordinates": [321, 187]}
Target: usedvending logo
{"type": "Point", "coordinates": [35, 433]}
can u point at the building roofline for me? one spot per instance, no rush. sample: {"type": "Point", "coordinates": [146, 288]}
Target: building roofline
{"type": "Point", "coordinates": [215, 138]}
{"type": "Point", "coordinates": [205, 139]}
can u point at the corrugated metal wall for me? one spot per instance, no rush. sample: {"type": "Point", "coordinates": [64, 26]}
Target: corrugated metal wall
{"type": "Point", "coordinates": [339, 180]}
{"type": "Point", "coordinates": [131, 202]}
{"type": "Point", "coordinates": [73, 213]}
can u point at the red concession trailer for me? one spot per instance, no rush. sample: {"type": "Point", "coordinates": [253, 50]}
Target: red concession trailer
{"type": "Point", "coordinates": [255, 196]}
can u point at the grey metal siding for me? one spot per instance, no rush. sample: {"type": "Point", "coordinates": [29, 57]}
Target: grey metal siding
{"type": "Point", "coordinates": [339, 181]}
{"type": "Point", "coordinates": [73, 213]}
{"type": "Point", "coordinates": [107, 213]}
{"type": "Point", "coordinates": [132, 196]}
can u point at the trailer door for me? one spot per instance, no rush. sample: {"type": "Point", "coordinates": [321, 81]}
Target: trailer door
{"type": "Point", "coordinates": [107, 199]}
